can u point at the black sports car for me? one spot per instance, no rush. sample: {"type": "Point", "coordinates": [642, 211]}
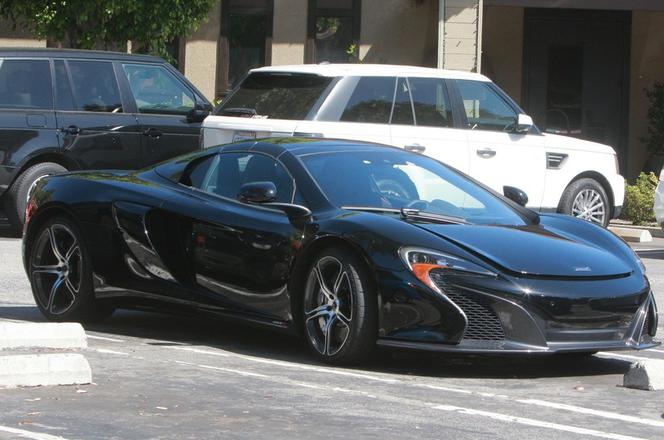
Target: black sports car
{"type": "Point", "coordinates": [352, 244]}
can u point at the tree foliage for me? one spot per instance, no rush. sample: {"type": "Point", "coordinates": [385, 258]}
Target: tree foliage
{"type": "Point", "coordinates": [86, 24]}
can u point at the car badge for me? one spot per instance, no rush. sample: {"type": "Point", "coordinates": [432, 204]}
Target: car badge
{"type": "Point", "coordinates": [582, 269]}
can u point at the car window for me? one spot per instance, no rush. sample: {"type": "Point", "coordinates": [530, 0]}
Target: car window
{"type": "Point", "coordinates": [432, 106]}
{"type": "Point", "coordinates": [95, 86]}
{"type": "Point", "coordinates": [402, 113]}
{"type": "Point", "coordinates": [485, 109]}
{"type": "Point", "coordinates": [64, 98]}
{"type": "Point", "coordinates": [371, 101]}
{"type": "Point", "coordinates": [224, 174]}
{"type": "Point", "coordinates": [275, 95]}
{"type": "Point", "coordinates": [156, 90]}
{"type": "Point", "coordinates": [25, 84]}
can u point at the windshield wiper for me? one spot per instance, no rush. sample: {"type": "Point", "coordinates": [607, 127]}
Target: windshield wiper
{"type": "Point", "coordinates": [238, 111]}
{"type": "Point", "coordinates": [416, 214]}
{"type": "Point", "coordinates": [411, 214]}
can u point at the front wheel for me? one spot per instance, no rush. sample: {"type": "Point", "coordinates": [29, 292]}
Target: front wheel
{"type": "Point", "coordinates": [340, 308]}
{"type": "Point", "coordinates": [586, 199]}
{"type": "Point", "coordinates": [61, 275]}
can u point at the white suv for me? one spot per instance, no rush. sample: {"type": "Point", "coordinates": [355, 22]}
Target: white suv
{"type": "Point", "coordinates": [459, 118]}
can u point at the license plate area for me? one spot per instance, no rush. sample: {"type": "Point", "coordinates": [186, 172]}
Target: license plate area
{"type": "Point", "coordinates": [244, 135]}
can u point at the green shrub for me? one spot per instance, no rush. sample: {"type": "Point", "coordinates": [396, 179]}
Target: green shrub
{"type": "Point", "coordinates": [639, 199]}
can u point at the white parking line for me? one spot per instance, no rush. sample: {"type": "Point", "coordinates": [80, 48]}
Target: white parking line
{"type": "Point", "coordinates": [29, 434]}
{"type": "Point", "coordinates": [627, 357]}
{"type": "Point", "coordinates": [105, 351]}
{"type": "Point", "coordinates": [104, 338]}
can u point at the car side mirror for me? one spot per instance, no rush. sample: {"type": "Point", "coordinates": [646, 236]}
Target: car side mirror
{"type": "Point", "coordinates": [258, 192]}
{"type": "Point", "coordinates": [199, 112]}
{"type": "Point", "coordinates": [516, 195]}
{"type": "Point", "coordinates": [523, 123]}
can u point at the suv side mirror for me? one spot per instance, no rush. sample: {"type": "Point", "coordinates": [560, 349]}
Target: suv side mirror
{"type": "Point", "coordinates": [199, 112]}
{"type": "Point", "coordinates": [523, 123]}
{"type": "Point", "coordinates": [257, 192]}
{"type": "Point", "coordinates": [516, 195]}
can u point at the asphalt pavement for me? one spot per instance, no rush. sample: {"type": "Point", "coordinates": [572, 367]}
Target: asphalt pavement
{"type": "Point", "coordinates": [162, 376]}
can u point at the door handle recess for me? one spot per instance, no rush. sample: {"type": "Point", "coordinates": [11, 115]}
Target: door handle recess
{"type": "Point", "coordinates": [486, 153]}
{"type": "Point", "coordinates": [72, 130]}
{"type": "Point", "coordinates": [415, 148]}
{"type": "Point", "coordinates": [152, 132]}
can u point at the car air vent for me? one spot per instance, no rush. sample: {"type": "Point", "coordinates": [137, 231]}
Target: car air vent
{"type": "Point", "coordinates": [555, 161]}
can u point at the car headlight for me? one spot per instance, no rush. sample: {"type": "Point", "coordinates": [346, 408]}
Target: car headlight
{"type": "Point", "coordinates": [422, 261]}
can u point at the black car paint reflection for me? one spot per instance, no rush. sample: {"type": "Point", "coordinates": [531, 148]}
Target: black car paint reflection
{"type": "Point", "coordinates": [156, 241]}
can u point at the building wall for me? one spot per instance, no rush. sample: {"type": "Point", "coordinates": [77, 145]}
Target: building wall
{"type": "Point", "coordinates": [17, 38]}
{"type": "Point", "coordinates": [289, 34]}
{"type": "Point", "coordinates": [461, 28]}
{"type": "Point", "coordinates": [399, 32]}
{"type": "Point", "coordinates": [201, 52]}
{"type": "Point", "coordinates": [647, 66]}
{"type": "Point", "coordinates": [502, 48]}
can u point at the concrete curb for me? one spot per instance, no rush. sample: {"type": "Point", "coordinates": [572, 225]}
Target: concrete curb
{"type": "Point", "coordinates": [44, 369]}
{"type": "Point", "coordinates": [645, 375]}
{"type": "Point", "coordinates": [632, 234]}
{"type": "Point", "coordinates": [65, 335]}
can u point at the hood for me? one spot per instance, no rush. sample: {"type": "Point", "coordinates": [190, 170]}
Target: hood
{"type": "Point", "coordinates": [552, 141]}
{"type": "Point", "coordinates": [533, 250]}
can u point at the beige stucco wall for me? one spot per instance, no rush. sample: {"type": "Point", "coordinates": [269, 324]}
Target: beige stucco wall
{"type": "Point", "coordinates": [289, 33]}
{"type": "Point", "coordinates": [399, 32]}
{"type": "Point", "coordinates": [647, 66]}
{"type": "Point", "coordinates": [461, 24]}
{"type": "Point", "coordinates": [17, 38]}
{"type": "Point", "coordinates": [200, 64]}
{"type": "Point", "coordinates": [502, 48]}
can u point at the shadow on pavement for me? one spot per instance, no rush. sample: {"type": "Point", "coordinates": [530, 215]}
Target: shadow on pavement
{"type": "Point", "coordinates": [243, 340]}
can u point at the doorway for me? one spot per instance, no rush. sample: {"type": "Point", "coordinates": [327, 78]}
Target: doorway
{"type": "Point", "coordinates": [576, 73]}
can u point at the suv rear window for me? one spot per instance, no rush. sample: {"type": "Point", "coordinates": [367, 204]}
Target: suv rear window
{"type": "Point", "coordinates": [275, 95]}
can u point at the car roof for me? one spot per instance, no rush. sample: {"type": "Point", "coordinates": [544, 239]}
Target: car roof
{"type": "Point", "coordinates": [28, 52]}
{"type": "Point", "coordinates": [371, 70]}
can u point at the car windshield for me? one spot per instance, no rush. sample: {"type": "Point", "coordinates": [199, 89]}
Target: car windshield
{"type": "Point", "coordinates": [394, 180]}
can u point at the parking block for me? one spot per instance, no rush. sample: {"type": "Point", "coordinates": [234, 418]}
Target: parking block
{"type": "Point", "coordinates": [44, 369]}
{"type": "Point", "coordinates": [67, 335]}
{"type": "Point", "coordinates": [645, 375]}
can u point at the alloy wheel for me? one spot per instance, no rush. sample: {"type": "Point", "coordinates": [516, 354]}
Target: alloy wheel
{"type": "Point", "coordinates": [328, 306]}
{"type": "Point", "coordinates": [56, 268]}
{"type": "Point", "coordinates": [589, 205]}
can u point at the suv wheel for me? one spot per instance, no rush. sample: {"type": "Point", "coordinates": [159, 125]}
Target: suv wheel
{"type": "Point", "coordinates": [17, 196]}
{"type": "Point", "coordinates": [586, 199]}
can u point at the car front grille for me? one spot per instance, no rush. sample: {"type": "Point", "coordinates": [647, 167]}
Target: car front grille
{"type": "Point", "coordinates": [483, 323]}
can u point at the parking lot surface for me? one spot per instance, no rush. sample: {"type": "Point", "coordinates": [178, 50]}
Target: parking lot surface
{"type": "Point", "coordinates": [160, 376]}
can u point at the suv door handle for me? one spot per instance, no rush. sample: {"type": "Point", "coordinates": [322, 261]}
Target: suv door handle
{"type": "Point", "coordinates": [486, 153]}
{"type": "Point", "coordinates": [72, 130]}
{"type": "Point", "coordinates": [152, 132]}
{"type": "Point", "coordinates": [415, 148]}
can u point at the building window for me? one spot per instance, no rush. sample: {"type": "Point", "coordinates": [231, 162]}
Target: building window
{"type": "Point", "coordinates": [245, 42]}
{"type": "Point", "coordinates": [333, 31]}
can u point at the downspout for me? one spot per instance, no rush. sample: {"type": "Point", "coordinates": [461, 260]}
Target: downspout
{"type": "Point", "coordinates": [441, 34]}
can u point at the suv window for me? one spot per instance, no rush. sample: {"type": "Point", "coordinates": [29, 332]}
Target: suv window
{"type": "Point", "coordinates": [224, 174]}
{"type": "Point", "coordinates": [371, 100]}
{"type": "Point", "coordinates": [25, 84]}
{"type": "Point", "coordinates": [95, 86]}
{"type": "Point", "coordinates": [156, 90]}
{"type": "Point", "coordinates": [275, 95]}
{"type": "Point", "coordinates": [485, 109]}
{"type": "Point", "coordinates": [432, 106]}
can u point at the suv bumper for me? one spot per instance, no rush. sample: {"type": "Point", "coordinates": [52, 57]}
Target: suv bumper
{"type": "Point", "coordinates": [617, 183]}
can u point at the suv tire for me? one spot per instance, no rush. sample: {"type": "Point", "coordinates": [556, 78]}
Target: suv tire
{"type": "Point", "coordinates": [586, 199]}
{"type": "Point", "coordinates": [16, 198]}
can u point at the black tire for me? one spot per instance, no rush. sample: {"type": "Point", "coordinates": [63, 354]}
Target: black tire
{"type": "Point", "coordinates": [582, 199]}
{"type": "Point", "coordinates": [347, 308]}
{"type": "Point", "coordinates": [17, 197]}
{"type": "Point", "coordinates": [67, 264]}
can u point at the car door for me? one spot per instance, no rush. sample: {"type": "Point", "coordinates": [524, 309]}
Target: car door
{"type": "Point", "coordinates": [359, 108]}
{"type": "Point", "coordinates": [164, 106]}
{"type": "Point", "coordinates": [27, 119]}
{"type": "Point", "coordinates": [500, 156]}
{"type": "Point", "coordinates": [94, 129]}
{"type": "Point", "coordinates": [240, 253]}
{"type": "Point", "coordinates": [422, 122]}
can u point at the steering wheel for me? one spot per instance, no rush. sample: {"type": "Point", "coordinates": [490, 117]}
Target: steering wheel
{"type": "Point", "coordinates": [392, 188]}
{"type": "Point", "coordinates": [421, 205]}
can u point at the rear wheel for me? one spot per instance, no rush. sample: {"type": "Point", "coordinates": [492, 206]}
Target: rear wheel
{"type": "Point", "coordinates": [16, 198]}
{"type": "Point", "coordinates": [586, 199]}
{"type": "Point", "coordinates": [61, 275]}
{"type": "Point", "coordinates": [340, 308]}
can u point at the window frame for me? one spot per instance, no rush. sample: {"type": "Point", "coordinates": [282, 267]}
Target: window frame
{"type": "Point", "coordinates": [51, 72]}
{"type": "Point", "coordinates": [314, 12]}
